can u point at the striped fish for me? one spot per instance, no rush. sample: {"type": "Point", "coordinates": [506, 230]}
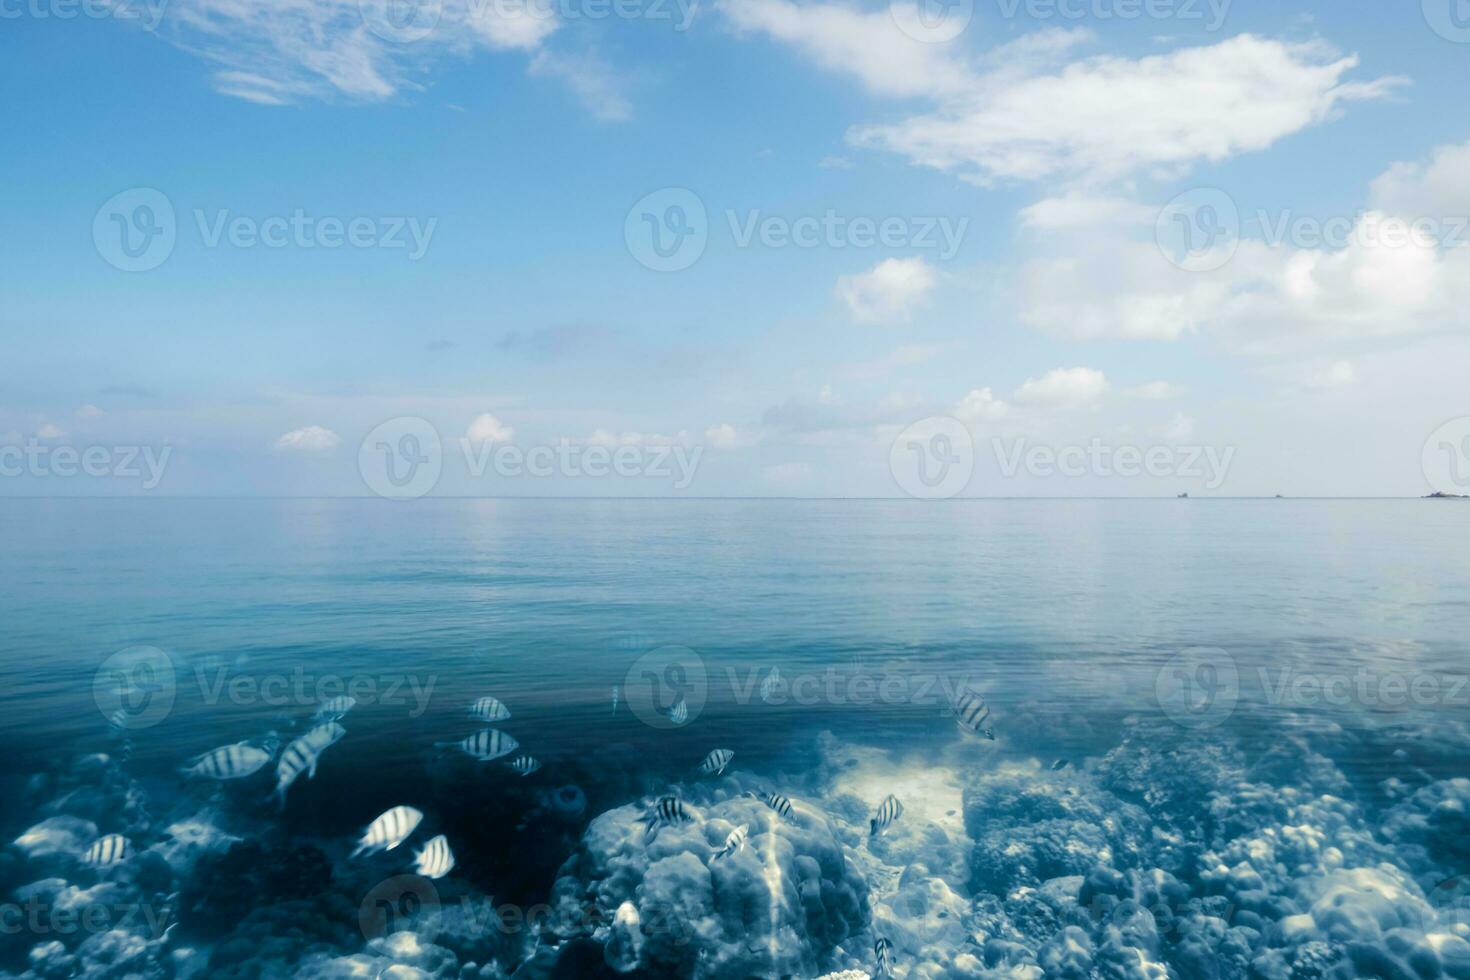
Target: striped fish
{"type": "Point", "coordinates": [888, 811]}
{"type": "Point", "coordinates": [1059, 765]}
{"type": "Point", "coordinates": [228, 762]}
{"type": "Point", "coordinates": [679, 713]}
{"type": "Point", "coordinates": [107, 851]}
{"type": "Point", "coordinates": [775, 801]}
{"type": "Point", "coordinates": [335, 709]}
{"type": "Point", "coordinates": [735, 842]}
{"type": "Point", "coordinates": [716, 761]}
{"type": "Point", "coordinates": [666, 811]}
{"type": "Point", "coordinates": [485, 745]}
{"type": "Point", "coordinates": [768, 685]}
{"type": "Point", "coordinates": [388, 831]}
{"type": "Point", "coordinates": [525, 764]}
{"type": "Point", "coordinates": [971, 712]}
{"type": "Point", "coordinates": [881, 951]}
{"type": "Point", "coordinates": [436, 859]}
{"type": "Point", "coordinates": [489, 709]}
{"type": "Point", "coordinates": [302, 755]}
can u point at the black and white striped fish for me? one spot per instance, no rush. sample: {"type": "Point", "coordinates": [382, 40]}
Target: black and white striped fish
{"type": "Point", "coordinates": [485, 745]}
{"type": "Point", "coordinates": [888, 811]}
{"type": "Point", "coordinates": [679, 713]}
{"type": "Point", "coordinates": [971, 712]}
{"type": "Point", "coordinates": [775, 801]}
{"type": "Point", "coordinates": [228, 762]}
{"type": "Point", "coordinates": [436, 859]}
{"type": "Point", "coordinates": [335, 709]}
{"type": "Point", "coordinates": [734, 842]}
{"type": "Point", "coordinates": [525, 764]}
{"type": "Point", "coordinates": [716, 761]}
{"type": "Point", "coordinates": [302, 755]}
{"type": "Point", "coordinates": [107, 851]}
{"type": "Point", "coordinates": [666, 811]}
{"type": "Point", "coordinates": [489, 709]}
{"type": "Point", "coordinates": [768, 685]}
{"type": "Point", "coordinates": [881, 952]}
{"type": "Point", "coordinates": [390, 829]}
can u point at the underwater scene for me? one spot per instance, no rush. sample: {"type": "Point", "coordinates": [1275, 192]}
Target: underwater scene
{"type": "Point", "coordinates": [735, 739]}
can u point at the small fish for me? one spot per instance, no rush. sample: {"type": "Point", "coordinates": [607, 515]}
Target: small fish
{"type": "Point", "coordinates": [302, 756]}
{"type": "Point", "coordinates": [335, 709]}
{"type": "Point", "coordinates": [228, 762]}
{"type": "Point", "coordinates": [768, 685]}
{"type": "Point", "coordinates": [485, 745]}
{"type": "Point", "coordinates": [679, 713]}
{"type": "Point", "coordinates": [436, 859]}
{"type": "Point", "coordinates": [525, 764]}
{"type": "Point", "coordinates": [389, 830]}
{"type": "Point", "coordinates": [888, 811]}
{"type": "Point", "coordinates": [775, 801]}
{"type": "Point", "coordinates": [666, 811]}
{"type": "Point", "coordinates": [107, 851]}
{"type": "Point", "coordinates": [1059, 765]}
{"type": "Point", "coordinates": [735, 842]}
{"type": "Point", "coordinates": [881, 950]}
{"type": "Point", "coordinates": [716, 761]}
{"type": "Point", "coordinates": [971, 713]}
{"type": "Point", "coordinates": [616, 695]}
{"type": "Point", "coordinates": [489, 709]}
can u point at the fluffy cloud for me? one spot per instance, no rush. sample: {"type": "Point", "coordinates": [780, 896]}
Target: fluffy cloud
{"type": "Point", "coordinates": [50, 431]}
{"type": "Point", "coordinates": [1064, 389]}
{"type": "Point", "coordinates": [286, 51]}
{"type": "Point", "coordinates": [889, 292]}
{"type": "Point", "coordinates": [727, 436]}
{"type": "Point", "coordinates": [981, 405]}
{"type": "Point", "coordinates": [486, 428]}
{"type": "Point", "coordinates": [310, 439]}
{"type": "Point", "coordinates": [1024, 112]}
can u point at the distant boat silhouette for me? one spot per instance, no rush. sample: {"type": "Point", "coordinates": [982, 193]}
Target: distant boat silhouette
{"type": "Point", "coordinates": [1183, 496]}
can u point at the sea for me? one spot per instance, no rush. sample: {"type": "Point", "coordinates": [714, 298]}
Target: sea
{"type": "Point", "coordinates": [628, 639]}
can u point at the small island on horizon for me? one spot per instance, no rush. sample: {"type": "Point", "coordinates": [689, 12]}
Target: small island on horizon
{"type": "Point", "coordinates": [1441, 495]}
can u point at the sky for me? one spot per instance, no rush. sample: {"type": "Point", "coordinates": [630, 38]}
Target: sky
{"type": "Point", "coordinates": [977, 248]}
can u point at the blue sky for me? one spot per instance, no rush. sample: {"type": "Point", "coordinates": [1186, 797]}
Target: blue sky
{"type": "Point", "coordinates": [515, 143]}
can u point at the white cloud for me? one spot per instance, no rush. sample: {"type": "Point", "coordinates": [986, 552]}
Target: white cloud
{"type": "Point", "coordinates": [1064, 389]}
{"type": "Point", "coordinates": [285, 51]}
{"type": "Point", "coordinates": [89, 412]}
{"type": "Point", "coordinates": [1155, 391]}
{"type": "Point", "coordinates": [590, 79]}
{"type": "Point", "coordinates": [50, 431]}
{"type": "Point", "coordinates": [605, 437]}
{"type": "Point", "coordinates": [866, 44]}
{"type": "Point", "coordinates": [981, 405]}
{"type": "Point", "coordinates": [1439, 188]}
{"type": "Point", "coordinates": [310, 439]}
{"type": "Point", "coordinates": [1078, 209]}
{"type": "Point", "coordinates": [727, 436]}
{"type": "Point", "coordinates": [487, 428]}
{"type": "Point", "coordinates": [889, 292]}
{"type": "Point", "coordinates": [1108, 117]}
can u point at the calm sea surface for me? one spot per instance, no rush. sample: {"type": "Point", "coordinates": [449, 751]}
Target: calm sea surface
{"type": "Point", "coordinates": [1070, 616]}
